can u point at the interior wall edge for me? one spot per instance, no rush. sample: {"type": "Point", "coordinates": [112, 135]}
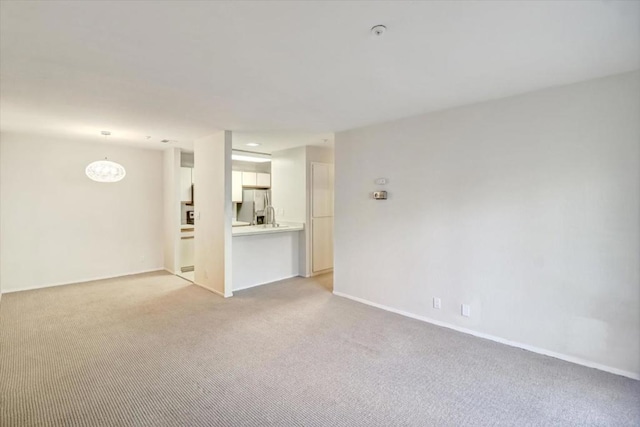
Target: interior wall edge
{"type": "Point", "coordinates": [223, 295]}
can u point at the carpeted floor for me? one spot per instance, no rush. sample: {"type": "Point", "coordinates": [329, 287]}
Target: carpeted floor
{"type": "Point", "coordinates": [155, 350]}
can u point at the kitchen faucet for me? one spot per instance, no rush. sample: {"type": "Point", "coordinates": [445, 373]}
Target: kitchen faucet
{"type": "Point", "coordinates": [270, 216]}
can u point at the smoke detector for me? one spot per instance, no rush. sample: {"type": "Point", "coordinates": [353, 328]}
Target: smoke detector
{"type": "Point", "coordinates": [378, 30]}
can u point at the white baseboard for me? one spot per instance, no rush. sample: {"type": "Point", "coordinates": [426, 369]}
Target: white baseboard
{"type": "Point", "coordinates": [90, 279]}
{"type": "Point", "coordinates": [265, 283]}
{"type": "Point", "coordinates": [250, 286]}
{"type": "Point", "coordinates": [572, 359]}
{"type": "Point", "coordinates": [213, 290]}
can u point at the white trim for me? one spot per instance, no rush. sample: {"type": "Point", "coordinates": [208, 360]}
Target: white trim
{"type": "Point", "coordinates": [91, 279]}
{"type": "Point", "coordinates": [325, 271]}
{"type": "Point", "coordinates": [572, 359]}
{"type": "Point", "coordinates": [266, 283]}
{"type": "Point", "coordinates": [251, 286]}
{"type": "Point", "coordinates": [212, 290]}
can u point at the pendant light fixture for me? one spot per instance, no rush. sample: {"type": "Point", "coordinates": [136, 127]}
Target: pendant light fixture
{"type": "Point", "coordinates": [105, 170]}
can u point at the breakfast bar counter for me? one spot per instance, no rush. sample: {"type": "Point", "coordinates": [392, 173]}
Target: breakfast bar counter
{"type": "Point", "coordinates": [264, 254]}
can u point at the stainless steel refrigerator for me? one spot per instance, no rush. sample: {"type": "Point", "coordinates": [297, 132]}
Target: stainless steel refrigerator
{"type": "Point", "coordinates": [253, 204]}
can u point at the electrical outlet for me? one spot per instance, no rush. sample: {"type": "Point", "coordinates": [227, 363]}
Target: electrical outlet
{"type": "Point", "coordinates": [437, 303]}
{"type": "Point", "coordinates": [466, 310]}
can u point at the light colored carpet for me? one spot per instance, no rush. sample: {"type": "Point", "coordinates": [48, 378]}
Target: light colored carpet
{"type": "Point", "coordinates": [156, 350]}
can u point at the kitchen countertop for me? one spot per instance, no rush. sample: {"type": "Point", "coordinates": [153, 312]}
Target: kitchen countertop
{"type": "Point", "coordinates": [241, 228]}
{"type": "Point", "coordinates": [234, 224]}
{"type": "Point", "coordinates": [252, 230]}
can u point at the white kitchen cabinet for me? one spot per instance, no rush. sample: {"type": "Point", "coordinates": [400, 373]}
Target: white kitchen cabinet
{"type": "Point", "coordinates": [236, 186]}
{"type": "Point", "coordinates": [263, 180]}
{"type": "Point", "coordinates": [249, 179]}
{"type": "Point", "coordinates": [186, 180]}
{"type": "Point", "coordinates": [256, 179]}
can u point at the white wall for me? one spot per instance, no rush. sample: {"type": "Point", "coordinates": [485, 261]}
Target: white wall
{"type": "Point", "coordinates": [319, 154]}
{"type": "Point", "coordinates": [526, 208]}
{"type": "Point", "coordinates": [212, 208]}
{"type": "Point", "coordinates": [291, 189]}
{"type": "Point", "coordinates": [288, 184]}
{"type": "Point", "coordinates": [264, 258]}
{"type": "Point", "coordinates": [59, 227]}
{"type": "Point", "coordinates": [186, 159]}
{"type": "Point", "coordinates": [241, 165]}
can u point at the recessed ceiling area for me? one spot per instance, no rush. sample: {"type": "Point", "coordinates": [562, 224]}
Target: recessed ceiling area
{"type": "Point", "coordinates": [279, 140]}
{"type": "Point", "coordinates": [291, 71]}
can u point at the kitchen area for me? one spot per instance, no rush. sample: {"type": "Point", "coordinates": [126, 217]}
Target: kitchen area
{"type": "Point", "coordinates": [270, 239]}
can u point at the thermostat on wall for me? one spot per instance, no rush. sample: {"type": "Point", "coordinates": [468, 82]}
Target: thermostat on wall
{"type": "Point", "coordinates": [380, 195]}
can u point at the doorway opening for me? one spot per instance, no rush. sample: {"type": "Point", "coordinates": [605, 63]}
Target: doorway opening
{"type": "Point", "coordinates": [186, 248]}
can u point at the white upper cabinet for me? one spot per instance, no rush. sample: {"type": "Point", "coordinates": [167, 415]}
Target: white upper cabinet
{"type": "Point", "coordinates": [253, 179]}
{"type": "Point", "coordinates": [236, 186]}
{"type": "Point", "coordinates": [249, 179]}
{"type": "Point", "coordinates": [186, 180]}
{"type": "Point", "coordinates": [263, 180]}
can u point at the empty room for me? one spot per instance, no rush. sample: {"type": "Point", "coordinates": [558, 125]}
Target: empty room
{"type": "Point", "coordinates": [320, 213]}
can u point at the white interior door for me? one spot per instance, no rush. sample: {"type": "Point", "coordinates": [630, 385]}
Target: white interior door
{"type": "Point", "coordinates": [321, 190]}
{"type": "Point", "coordinates": [321, 217]}
{"type": "Point", "coordinates": [322, 238]}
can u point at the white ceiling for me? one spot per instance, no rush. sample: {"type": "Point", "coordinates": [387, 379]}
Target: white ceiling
{"type": "Point", "coordinates": [280, 140]}
{"type": "Point", "coordinates": [180, 70]}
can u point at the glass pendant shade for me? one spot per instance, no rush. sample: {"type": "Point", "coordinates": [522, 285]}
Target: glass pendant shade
{"type": "Point", "coordinates": [105, 171]}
